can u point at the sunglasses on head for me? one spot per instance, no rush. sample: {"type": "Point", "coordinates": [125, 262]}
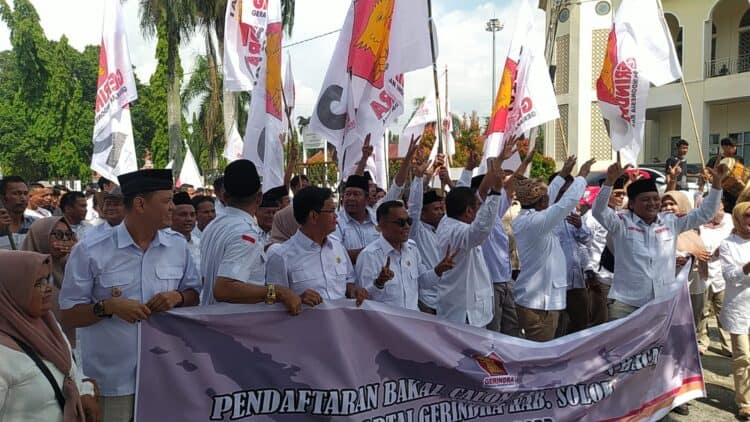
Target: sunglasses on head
{"type": "Point", "coordinates": [402, 222]}
{"type": "Point", "coordinates": [62, 234]}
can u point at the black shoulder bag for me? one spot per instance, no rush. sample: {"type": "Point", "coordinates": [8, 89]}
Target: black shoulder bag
{"type": "Point", "coordinates": [45, 370]}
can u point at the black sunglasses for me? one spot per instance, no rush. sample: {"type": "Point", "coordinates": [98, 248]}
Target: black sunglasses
{"type": "Point", "coordinates": [401, 222]}
{"type": "Point", "coordinates": [62, 235]}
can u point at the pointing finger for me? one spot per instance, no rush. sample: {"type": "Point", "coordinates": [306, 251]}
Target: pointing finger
{"type": "Point", "coordinates": [387, 262]}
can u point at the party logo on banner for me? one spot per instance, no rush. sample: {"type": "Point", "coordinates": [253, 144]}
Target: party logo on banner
{"type": "Point", "coordinates": [368, 54]}
{"type": "Point", "coordinates": [618, 82]}
{"type": "Point", "coordinates": [497, 374]}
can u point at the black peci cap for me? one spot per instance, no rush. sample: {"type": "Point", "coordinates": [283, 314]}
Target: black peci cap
{"type": "Point", "coordinates": [241, 179]}
{"type": "Point", "coordinates": [145, 181]}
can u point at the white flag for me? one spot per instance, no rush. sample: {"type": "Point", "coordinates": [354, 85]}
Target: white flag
{"type": "Point", "coordinates": [426, 113]}
{"type": "Point", "coordinates": [289, 91]}
{"type": "Point", "coordinates": [244, 43]}
{"type": "Point", "coordinates": [189, 174]}
{"type": "Point", "coordinates": [264, 135]}
{"type": "Point", "coordinates": [114, 147]}
{"type": "Point", "coordinates": [363, 88]}
{"type": "Point", "coordinates": [448, 126]}
{"type": "Point", "coordinates": [234, 145]}
{"type": "Point", "coordinates": [640, 51]}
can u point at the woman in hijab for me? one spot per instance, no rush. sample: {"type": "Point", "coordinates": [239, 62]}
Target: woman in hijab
{"type": "Point", "coordinates": [734, 253]}
{"type": "Point", "coordinates": [29, 332]}
{"type": "Point", "coordinates": [53, 236]}
{"type": "Point", "coordinates": [690, 251]}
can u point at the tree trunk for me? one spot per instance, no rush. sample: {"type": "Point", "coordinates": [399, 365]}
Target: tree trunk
{"type": "Point", "coordinates": [174, 104]}
{"type": "Point", "coordinates": [212, 119]}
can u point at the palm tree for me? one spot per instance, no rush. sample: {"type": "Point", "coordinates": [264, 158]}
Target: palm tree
{"type": "Point", "coordinates": [177, 18]}
{"type": "Point", "coordinates": [202, 87]}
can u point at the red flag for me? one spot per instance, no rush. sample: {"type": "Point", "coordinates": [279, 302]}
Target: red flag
{"type": "Point", "coordinates": [368, 51]}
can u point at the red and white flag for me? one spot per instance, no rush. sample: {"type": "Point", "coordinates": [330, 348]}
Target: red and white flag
{"type": "Point", "coordinates": [244, 43]}
{"type": "Point", "coordinates": [264, 135]}
{"type": "Point", "coordinates": [114, 147]}
{"type": "Point", "coordinates": [363, 89]}
{"type": "Point", "coordinates": [640, 52]}
{"type": "Point", "coordinates": [526, 97]}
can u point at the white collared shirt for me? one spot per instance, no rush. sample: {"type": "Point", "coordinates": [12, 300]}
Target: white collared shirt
{"type": "Point", "coordinates": [645, 253]}
{"type": "Point", "coordinates": [408, 273]}
{"type": "Point", "coordinates": [353, 234]}
{"type": "Point", "coordinates": [734, 253]}
{"type": "Point", "coordinates": [37, 213]}
{"type": "Point", "coordinates": [232, 247]}
{"type": "Point", "coordinates": [496, 248]}
{"type": "Point", "coordinates": [109, 264]}
{"type": "Point", "coordinates": [465, 293]}
{"type": "Point", "coordinates": [542, 283]}
{"type": "Point", "coordinates": [571, 238]}
{"type": "Point", "coordinates": [712, 238]}
{"type": "Point", "coordinates": [596, 246]}
{"type": "Point", "coordinates": [425, 237]}
{"type": "Point", "coordinates": [301, 264]}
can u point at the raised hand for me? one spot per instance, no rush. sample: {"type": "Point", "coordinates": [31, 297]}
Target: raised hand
{"type": "Point", "coordinates": [366, 148]}
{"type": "Point", "coordinates": [586, 168]}
{"type": "Point", "coordinates": [567, 168]}
{"type": "Point", "coordinates": [509, 148]}
{"type": "Point", "coordinates": [614, 171]}
{"type": "Point", "coordinates": [472, 161]}
{"type": "Point", "coordinates": [420, 169]}
{"type": "Point", "coordinates": [446, 263]}
{"type": "Point", "coordinates": [439, 161]}
{"type": "Point", "coordinates": [385, 275]}
{"type": "Point", "coordinates": [413, 147]}
{"type": "Point", "coordinates": [718, 173]}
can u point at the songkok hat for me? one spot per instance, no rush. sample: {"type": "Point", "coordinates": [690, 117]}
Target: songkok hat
{"type": "Point", "coordinates": [182, 198]}
{"type": "Point", "coordinates": [115, 192]}
{"type": "Point", "coordinates": [145, 181]}
{"type": "Point", "coordinates": [641, 186]}
{"type": "Point", "coordinates": [476, 181]}
{"type": "Point", "coordinates": [272, 198]}
{"type": "Point", "coordinates": [241, 179]}
{"type": "Point", "coordinates": [529, 191]}
{"type": "Point", "coordinates": [619, 183]}
{"type": "Point", "coordinates": [432, 195]}
{"type": "Point", "coordinates": [361, 182]}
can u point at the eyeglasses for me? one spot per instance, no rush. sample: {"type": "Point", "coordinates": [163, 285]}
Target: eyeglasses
{"type": "Point", "coordinates": [43, 282]}
{"type": "Point", "coordinates": [63, 235]}
{"type": "Point", "coordinates": [402, 222]}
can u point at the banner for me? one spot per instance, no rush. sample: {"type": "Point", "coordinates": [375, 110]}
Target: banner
{"type": "Point", "coordinates": [114, 146]}
{"type": "Point", "coordinates": [290, 92]}
{"type": "Point", "coordinates": [337, 362]}
{"type": "Point", "coordinates": [363, 91]}
{"type": "Point", "coordinates": [234, 145]}
{"type": "Point", "coordinates": [244, 43]}
{"type": "Point", "coordinates": [426, 113]}
{"type": "Point", "coordinates": [639, 52]}
{"type": "Point", "coordinates": [264, 134]}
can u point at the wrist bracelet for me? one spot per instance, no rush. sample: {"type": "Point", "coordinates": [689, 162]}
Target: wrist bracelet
{"type": "Point", "coordinates": [380, 285]}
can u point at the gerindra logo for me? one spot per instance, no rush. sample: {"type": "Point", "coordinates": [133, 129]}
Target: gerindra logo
{"type": "Point", "coordinates": [497, 375]}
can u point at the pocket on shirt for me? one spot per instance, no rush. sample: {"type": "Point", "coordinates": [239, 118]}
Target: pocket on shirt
{"type": "Point", "coordinates": [301, 280]}
{"type": "Point", "coordinates": [168, 277]}
{"type": "Point", "coordinates": [115, 279]}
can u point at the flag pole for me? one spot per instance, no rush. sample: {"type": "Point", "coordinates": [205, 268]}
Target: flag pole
{"type": "Point", "coordinates": [448, 158]}
{"type": "Point", "coordinates": [698, 139]}
{"type": "Point", "coordinates": [435, 76]}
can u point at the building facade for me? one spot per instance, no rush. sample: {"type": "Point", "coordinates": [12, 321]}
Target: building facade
{"type": "Point", "coordinates": [712, 39]}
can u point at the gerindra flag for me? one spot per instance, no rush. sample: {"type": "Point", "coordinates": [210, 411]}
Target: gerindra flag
{"type": "Point", "coordinates": [338, 362]}
{"type": "Point", "coordinates": [639, 51]}
{"type": "Point", "coordinates": [244, 43]}
{"type": "Point", "coordinates": [264, 135]}
{"type": "Point", "coordinates": [114, 147]}
{"type": "Point", "coordinates": [363, 90]}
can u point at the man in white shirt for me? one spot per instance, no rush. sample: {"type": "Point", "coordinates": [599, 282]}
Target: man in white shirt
{"type": "Point", "coordinates": [465, 293]}
{"type": "Point", "coordinates": [39, 198]}
{"type": "Point", "coordinates": [312, 263]}
{"type": "Point", "coordinates": [598, 277]}
{"type": "Point", "coordinates": [74, 206]}
{"type": "Point", "coordinates": [183, 222]}
{"type": "Point", "coordinates": [645, 239]}
{"type": "Point", "coordinates": [391, 268]}
{"type": "Point", "coordinates": [712, 234]}
{"type": "Point", "coordinates": [205, 212]}
{"type": "Point", "coordinates": [269, 206]}
{"type": "Point", "coordinates": [232, 257]}
{"type": "Point", "coordinates": [541, 288]}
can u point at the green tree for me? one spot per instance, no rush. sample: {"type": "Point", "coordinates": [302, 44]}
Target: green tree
{"type": "Point", "coordinates": [172, 21]}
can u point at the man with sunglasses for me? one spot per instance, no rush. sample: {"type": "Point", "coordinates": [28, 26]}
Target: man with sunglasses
{"type": "Point", "coordinates": [391, 268]}
{"type": "Point", "coordinates": [119, 277]}
{"type": "Point", "coordinates": [312, 263]}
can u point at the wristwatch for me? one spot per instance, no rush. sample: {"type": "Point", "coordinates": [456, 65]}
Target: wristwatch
{"type": "Point", "coordinates": [99, 310]}
{"type": "Point", "coordinates": [270, 294]}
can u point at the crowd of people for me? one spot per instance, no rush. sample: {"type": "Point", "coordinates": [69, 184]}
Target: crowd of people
{"type": "Point", "coordinates": [520, 256]}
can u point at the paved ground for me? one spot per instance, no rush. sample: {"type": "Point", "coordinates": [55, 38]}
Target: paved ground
{"type": "Point", "coordinates": [719, 405]}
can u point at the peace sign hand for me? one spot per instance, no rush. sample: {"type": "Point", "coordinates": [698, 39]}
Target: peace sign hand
{"type": "Point", "coordinates": [367, 148]}
{"type": "Point", "coordinates": [385, 274]}
{"type": "Point", "coordinates": [614, 171]}
{"type": "Point", "coordinates": [447, 263]}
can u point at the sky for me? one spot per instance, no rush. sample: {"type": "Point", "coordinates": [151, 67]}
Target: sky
{"type": "Point", "coordinates": [465, 47]}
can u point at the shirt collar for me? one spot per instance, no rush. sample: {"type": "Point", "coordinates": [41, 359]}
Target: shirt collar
{"type": "Point", "coordinates": [124, 239]}
{"type": "Point", "coordinates": [242, 214]}
{"type": "Point", "coordinates": [308, 244]}
{"type": "Point", "coordinates": [370, 217]}
{"type": "Point", "coordinates": [639, 220]}
{"type": "Point", "coordinates": [385, 246]}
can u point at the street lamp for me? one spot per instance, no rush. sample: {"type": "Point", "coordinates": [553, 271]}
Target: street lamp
{"type": "Point", "coordinates": [494, 25]}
